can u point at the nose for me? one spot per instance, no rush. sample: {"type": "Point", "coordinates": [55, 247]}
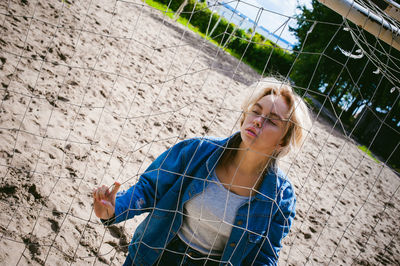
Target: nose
{"type": "Point", "coordinates": [258, 121]}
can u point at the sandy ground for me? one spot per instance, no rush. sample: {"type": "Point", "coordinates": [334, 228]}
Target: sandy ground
{"type": "Point", "coordinates": [91, 92]}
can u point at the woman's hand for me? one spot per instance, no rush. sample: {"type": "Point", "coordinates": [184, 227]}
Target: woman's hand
{"type": "Point", "coordinates": [104, 201]}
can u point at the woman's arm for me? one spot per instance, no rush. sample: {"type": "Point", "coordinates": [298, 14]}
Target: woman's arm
{"type": "Point", "coordinates": [152, 184]}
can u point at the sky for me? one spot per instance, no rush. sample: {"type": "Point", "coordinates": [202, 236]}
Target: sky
{"type": "Point", "coordinates": [274, 15]}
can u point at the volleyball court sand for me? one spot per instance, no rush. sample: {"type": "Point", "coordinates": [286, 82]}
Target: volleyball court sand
{"type": "Point", "coordinates": [92, 92]}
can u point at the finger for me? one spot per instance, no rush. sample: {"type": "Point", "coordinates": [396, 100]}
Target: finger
{"type": "Point", "coordinates": [107, 204]}
{"type": "Point", "coordinates": [115, 189]}
{"type": "Point", "coordinates": [104, 192]}
{"type": "Point", "coordinates": [100, 192]}
{"type": "Point", "coordinates": [97, 194]}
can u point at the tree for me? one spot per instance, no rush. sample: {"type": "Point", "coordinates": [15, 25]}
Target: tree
{"type": "Point", "coordinates": [356, 71]}
{"type": "Point", "coordinates": [330, 63]}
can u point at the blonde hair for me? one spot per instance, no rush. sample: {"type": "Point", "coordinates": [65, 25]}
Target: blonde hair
{"type": "Point", "coordinates": [299, 115]}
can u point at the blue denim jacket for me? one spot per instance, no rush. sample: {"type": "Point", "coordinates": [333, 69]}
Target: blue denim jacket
{"type": "Point", "coordinates": [178, 175]}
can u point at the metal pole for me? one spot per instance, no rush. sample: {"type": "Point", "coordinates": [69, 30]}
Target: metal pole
{"type": "Point", "coordinates": [393, 9]}
{"type": "Point", "coordinates": [367, 20]}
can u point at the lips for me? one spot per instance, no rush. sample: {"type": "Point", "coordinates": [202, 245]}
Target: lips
{"type": "Point", "coordinates": [251, 131]}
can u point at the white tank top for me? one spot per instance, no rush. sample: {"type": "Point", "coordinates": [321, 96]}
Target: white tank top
{"type": "Point", "coordinates": [208, 218]}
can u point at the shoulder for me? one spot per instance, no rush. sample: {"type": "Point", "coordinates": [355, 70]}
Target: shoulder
{"type": "Point", "coordinates": [211, 140]}
{"type": "Point", "coordinates": [203, 142]}
{"type": "Point", "coordinates": [285, 187]}
{"type": "Point", "coordinates": [282, 177]}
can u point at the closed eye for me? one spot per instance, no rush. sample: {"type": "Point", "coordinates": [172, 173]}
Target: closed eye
{"type": "Point", "coordinates": [270, 121]}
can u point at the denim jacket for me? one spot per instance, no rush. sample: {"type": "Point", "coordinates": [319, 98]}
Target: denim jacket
{"type": "Point", "coordinates": [178, 175]}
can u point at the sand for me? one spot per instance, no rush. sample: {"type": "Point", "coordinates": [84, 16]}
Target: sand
{"type": "Point", "coordinates": [92, 92]}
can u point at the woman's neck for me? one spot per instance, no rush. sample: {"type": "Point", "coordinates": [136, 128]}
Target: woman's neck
{"type": "Point", "coordinates": [249, 162]}
{"type": "Point", "coordinates": [242, 172]}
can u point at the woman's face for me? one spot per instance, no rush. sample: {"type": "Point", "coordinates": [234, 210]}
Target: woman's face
{"type": "Point", "coordinates": [265, 124]}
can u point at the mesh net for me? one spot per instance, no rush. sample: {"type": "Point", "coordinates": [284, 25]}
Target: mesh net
{"type": "Point", "coordinates": [92, 92]}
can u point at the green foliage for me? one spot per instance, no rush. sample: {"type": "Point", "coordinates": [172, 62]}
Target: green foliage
{"type": "Point", "coordinates": [310, 103]}
{"type": "Point", "coordinates": [320, 63]}
{"type": "Point", "coordinates": [350, 83]}
{"type": "Point", "coordinates": [172, 4]}
{"type": "Point", "coordinates": [263, 55]}
{"type": "Point", "coordinates": [368, 152]}
{"type": "Point", "coordinates": [258, 38]}
{"type": "Point", "coordinates": [161, 7]}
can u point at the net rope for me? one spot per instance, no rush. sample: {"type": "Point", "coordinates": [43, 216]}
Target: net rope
{"type": "Point", "coordinates": [88, 99]}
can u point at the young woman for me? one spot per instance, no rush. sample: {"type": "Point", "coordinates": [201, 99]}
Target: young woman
{"type": "Point", "coordinates": [216, 201]}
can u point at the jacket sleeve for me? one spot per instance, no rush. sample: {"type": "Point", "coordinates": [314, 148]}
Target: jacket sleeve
{"type": "Point", "coordinates": [152, 184]}
{"type": "Point", "coordinates": [268, 251]}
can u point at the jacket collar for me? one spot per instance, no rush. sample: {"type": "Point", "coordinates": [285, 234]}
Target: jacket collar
{"type": "Point", "coordinates": [219, 146]}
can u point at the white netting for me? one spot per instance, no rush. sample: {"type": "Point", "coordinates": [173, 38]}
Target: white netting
{"type": "Point", "coordinates": [92, 92]}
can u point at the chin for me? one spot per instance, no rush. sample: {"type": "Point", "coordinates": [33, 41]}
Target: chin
{"type": "Point", "coordinates": [247, 141]}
